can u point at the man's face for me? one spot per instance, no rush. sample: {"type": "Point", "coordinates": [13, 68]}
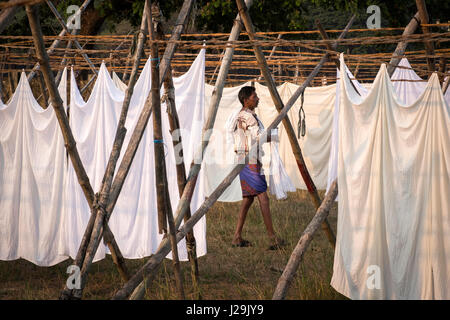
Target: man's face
{"type": "Point", "coordinates": [252, 101]}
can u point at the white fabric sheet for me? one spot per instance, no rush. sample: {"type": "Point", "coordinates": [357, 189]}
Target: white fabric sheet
{"type": "Point", "coordinates": [118, 82]}
{"type": "Point", "coordinates": [32, 165]}
{"type": "Point", "coordinates": [333, 160]}
{"type": "Point", "coordinates": [315, 145]}
{"type": "Point", "coordinates": [134, 221]}
{"type": "Point", "coordinates": [393, 236]}
{"type": "Point", "coordinates": [219, 155]}
{"type": "Point", "coordinates": [318, 107]}
{"type": "Point", "coordinates": [407, 84]}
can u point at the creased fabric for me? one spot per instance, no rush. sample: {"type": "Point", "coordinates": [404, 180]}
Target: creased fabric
{"type": "Point", "coordinates": [219, 155]}
{"type": "Point", "coordinates": [134, 221]}
{"type": "Point", "coordinates": [407, 84]}
{"type": "Point", "coordinates": [32, 166]}
{"type": "Point", "coordinates": [118, 82]}
{"type": "Point", "coordinates": [394, 182]}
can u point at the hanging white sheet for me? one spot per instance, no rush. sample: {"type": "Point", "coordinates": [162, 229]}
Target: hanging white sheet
{"type": "Point", "coordinates": [118, 82]}
{"type": "Point", "coordinates": [135, 223]}
{"type": "Point", "coordinates": [407, 84]}
{"type": "Point", "coordinates": [318, 107]}
{"type": "Point", "coordinates": [393, 236]}
{"type": "Point", "coordinates": [315, 145]}
{"type": "Point", "coordinates": [333, 160]}
{"type": "Point", "coordinates": [134, 220]}
{"type": "Point", "coordinates": [32, 165]}
{"type": "Point", "coordinates": [219, 155]}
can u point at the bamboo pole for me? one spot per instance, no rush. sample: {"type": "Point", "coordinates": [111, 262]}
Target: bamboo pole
{"type": "Point", "coordinates": [286, 122]}
{"type": "Point", "coordinates": [145, 114]}
{"type": "Point", "coordinates": [217, 67]}
{"type": "Point", "coordinates": [2, 87]}
{"type": "Point", "coordinates": [90, 242]}
{"type": "Point", "coordinates": [401, 46]}
{"type": "Point", "coordinates": [59, 110]}
{"type": "Point", "coordinates": [162, 191]}
{"type": "Point", "coordinates": [63, 62]}
{"type": "Point", "coordinates": [43, 90]}
{"type": "Point", "coordinates": [445, 84]}
{"type": "Point", "coordinates": [103, 215]}
{"type": "Point", "coordinates": [441, 71]}
{"type": "Point", "coordinates": [6, 16]}
{"type": "Point", "coordinates": [57, 41]}
{"type": "Point", "coordinates": [306, 238]}
{"type": "Point", "coordinates": [174, 123]}
{"type": "Point", "coordinates": [11, 84]}
{"type": "Point", "coordinates": [271, 54]}
{"type": "Point", "coordinates": [324, 35]}
{"type": "Point", "coordinates": [152, 265]}
{"type": "Point", "coordinates": [429, 47]}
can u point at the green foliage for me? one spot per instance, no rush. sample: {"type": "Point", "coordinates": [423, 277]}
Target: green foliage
{"type": "Point", "coordinates": [267, 15]}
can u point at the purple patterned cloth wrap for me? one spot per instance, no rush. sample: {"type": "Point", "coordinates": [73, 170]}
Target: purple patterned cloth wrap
{"type": "Point", "coordinates": [252, 181]}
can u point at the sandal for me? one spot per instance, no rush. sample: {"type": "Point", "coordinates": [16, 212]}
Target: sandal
{"type": "Point", "coordinates": [242, 243]}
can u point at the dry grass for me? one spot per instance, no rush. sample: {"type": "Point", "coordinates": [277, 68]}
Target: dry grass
{"type": "Point", "coordinates": [225, 272]}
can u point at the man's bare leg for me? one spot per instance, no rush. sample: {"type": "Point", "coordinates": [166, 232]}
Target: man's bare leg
{"type": "Point", "coordinates": [276, 242]}
{"type": "Point", "coordinates": [246, 203]}
{"type": "Point", "coordinates": [265, 210]}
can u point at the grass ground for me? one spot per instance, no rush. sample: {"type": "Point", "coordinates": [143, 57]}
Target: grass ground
{"type": "Point", "coordinates": [225, 272]}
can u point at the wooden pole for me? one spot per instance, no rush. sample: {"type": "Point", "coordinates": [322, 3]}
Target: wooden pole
{"type": "Point", "coordinates": [103, 215]}
{"type": "Point", "coordinates": [306, 238]}
{"type": "Point", "coordinates": [2, 87]}
{"type": "Point", "coordinates": [217, 67]}
{"type": "Point", "coordinates": [43, 89]}
{"type": "Point", "coordinates": [429, 48]}
{"type": "Point", "coordinates": [442, 66]}
{"type": "Point", "coordinates": [286, 122]}
{"type": "Point", "coordinates": [90, 241]}
{"type": "Point", "coordinates": [63, 63]}
{"type": "Point", "coordinates": [401, 46]}
{"type": "Point", "coordinates": [60, 112]}
{"type": "Point", "coordinates": [6, 16]}
{"type": "Point", "coordinates": [162, 190]}
{"type": "Point", "coordinates": [57, 41]}
{"type": "Point", "coordinates": [271, 54]}
{"type": "Point", "coordinates": [145, 114]}
{"type": "Point", "coordinates": [174, 124]}
{"type": "Point", "coordinates": [11, 84]}
{"type": "Point", "coordinates": [445, 84]}
{"type": "Point", "coordinates": [324, 35]}
{"type": "Point", "coordinates": [152, 265]}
